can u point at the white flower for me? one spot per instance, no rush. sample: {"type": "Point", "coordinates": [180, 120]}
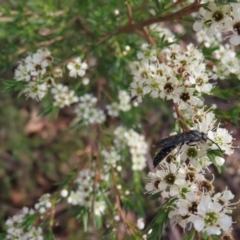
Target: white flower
{"type": "Point", "coordinates": [64, 193]}
{"type": "Point", "coordinates": [113, 109]}
{"type": "Point", "coordinates": [77, 67]}
{"type": "Point", "coordinates": [43, 203]}
{"type": "Point", "coordinates": [223, 139]}
{"type": "Point", "coordinates": [214, 18]}
{"type": "Point", "coordinates": [125, 99]}
{"type": "Point", "coordinates": [210, 217]}
{"type": "Point", "coordinates": [74, 197]}
{"type": "Point", "coordinates": [137, 90]}
{"type": "Point", "coordinates": [140, 223]}
{"type": "Point", "coordinates": [99, 207]}
{"type": "Point", "coordinates": [111, 157]}
{"type": "Point", "coordinates": [35, 90]}
{"type": "Point", "coordinates": [85, 81]}
{"type": "Point", "coordinates": [21, 73]}
{"type": "Point", "coordinates": [63, 96]}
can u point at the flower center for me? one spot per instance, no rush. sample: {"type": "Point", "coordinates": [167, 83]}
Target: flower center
{"type": "Point", "coordinates": [193, 208]}
{"type": "Point", "coordinates": [211, 218]}
{"type": "Point", "coordinates": [160, 72]}
{"type": "Point", "coordinates": [218, 16]}
{"type": "Point", "coordinates": [168, 87]}
{"type": "Point", "coordinates": [192, 152]}
{"type": "Point", "coordinates": [170, 178]}
{"type": "Point", "coordinates": [185, 96]}
{"type": "Point", "coordinates": [190, 176]}
{"type": "Point", "coordinates": [236, 28]}
{"type": "Point", "coordinates": [156, 183]}
{"type": "Point", "coordinates": [205, 186]}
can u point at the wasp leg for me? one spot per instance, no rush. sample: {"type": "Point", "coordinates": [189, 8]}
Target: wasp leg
{"type": "Point", "coordinates": [180, 147]}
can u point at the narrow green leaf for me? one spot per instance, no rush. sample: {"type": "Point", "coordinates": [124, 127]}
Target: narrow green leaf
{"type": "Point", "coordinates": [191, 235]}
{"type": "Point", "coordinates": [85, 222]}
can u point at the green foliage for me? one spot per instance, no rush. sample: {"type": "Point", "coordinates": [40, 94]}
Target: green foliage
{"type": "Point", "coordinates": [190, 236]}
{"type": "Point", "coordinates": [159, 222]}
{"type": "Point", "coordinates": [48, 158]}
{"type": "Point", "coordinates": [12, 86]}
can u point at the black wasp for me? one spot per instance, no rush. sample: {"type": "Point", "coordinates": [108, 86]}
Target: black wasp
{"type": "Point", "coordinates": [191, 138]}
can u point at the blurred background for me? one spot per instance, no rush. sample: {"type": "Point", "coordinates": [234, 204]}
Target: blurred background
{"type": "Point", "coordinates": [37, 152]}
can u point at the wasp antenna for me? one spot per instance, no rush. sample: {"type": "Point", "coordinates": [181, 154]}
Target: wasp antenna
{"type": "Point", "coordinates": [216, 144]}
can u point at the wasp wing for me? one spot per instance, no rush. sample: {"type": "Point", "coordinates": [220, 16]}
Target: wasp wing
{"type": "Point", "coordinates": [170, 141]}
{"type": "Point", "coordinates": [162, 154]}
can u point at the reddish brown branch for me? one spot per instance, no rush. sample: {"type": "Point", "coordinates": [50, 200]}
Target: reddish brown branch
{"type": "Point", "coordinates": [170, 17]}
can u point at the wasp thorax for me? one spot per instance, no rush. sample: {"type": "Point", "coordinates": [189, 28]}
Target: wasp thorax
{"type": "Point", "coordinates": [236, 28]}
{"type": "Point", "coordinates": [192, 152]}
{"type": "Point", "coordinates": [193, 208]}
{"type": "Point", "coordinates": [205, 186]}
{"type": "Point", "coordinates": [170, 178]}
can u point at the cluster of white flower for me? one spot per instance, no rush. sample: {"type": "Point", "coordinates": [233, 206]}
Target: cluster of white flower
{"type": "Point", "coordinates": [110, 157]}
{"type": "Point", "coordinates": [181, 175]}
{"type": "Point", "coordinates": [220, 18]}
{"type": "Point", "coordinates": [63, 96]}
{"type": "Point", "coordinates": [87, 193]}
{"type": "Point", "coordinates": [182, 79]}
{"type": "Point", "coordinates": [136, 143]}
{"type": "Point", "coordinates": [228, 63]}
{"type": "Point", "coordinates": [31, 70]}
{"type": "Point", "coordinates": [195, 201]}
{"type": "Point", "coordinates": [214, 41]}
{"type": "Point", "coordinates": [43, 204]}
{"type": "Point", "coordinates": [123, 105]}
{"type": "Point", "coordinates": [163, 32]}
{"type": "Point", "coordinates": [87, 112]}
{"type": "Point", "coordinates": [16, 229]}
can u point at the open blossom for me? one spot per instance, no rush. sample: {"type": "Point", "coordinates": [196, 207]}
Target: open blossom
{"type": "Point", "coordinates": [220, 18]}
{"type": "Point", "coordinates": [88, 112]}
{"type": "Point", "coordinates": [210, 217]}
{"type": "Point", "coordinates": [77, 67]}
{"type": "Point", "coordinates": [35, 90]}
{"type": "Point", "coordinates": [222, 137]}
{"type": "Point", "coordinates": [17, 230]}
{"type": "Point", "coordinates": [63, 96]}
{"type": "Point", "coordinates": [33, 67]}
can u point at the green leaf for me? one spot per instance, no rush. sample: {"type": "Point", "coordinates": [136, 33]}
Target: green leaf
{"type": "Point", "coordinates": [49, 236]}
{"type": "Point", "coordinates": [157, 5]}
{"type": "Point", "coordinates": [212, 153]}
{"type": "Point", "coordinates": [85, 222]}
{"type": "Point", "coordinates": [10, 86]}
{"type": "Point", "coordinates": [161, 219]}
{"type": "Point", "coordinates": [191, 235]}
{"type": "Point", "coordinates": [3, 235]}
{"type": "Point", "coordinates": [29, 220]}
